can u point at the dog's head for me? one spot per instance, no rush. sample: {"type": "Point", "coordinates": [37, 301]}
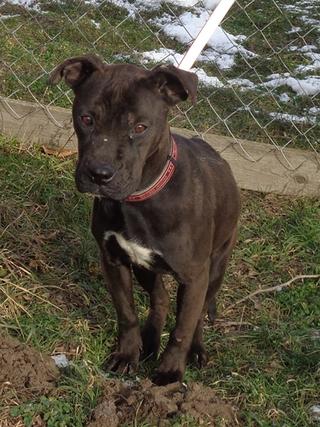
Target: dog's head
{"type": "Point", "coordinates": [119, 114]}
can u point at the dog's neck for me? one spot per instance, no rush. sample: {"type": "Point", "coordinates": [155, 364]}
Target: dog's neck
{"type": "Point", "coordinates": [156, 160]}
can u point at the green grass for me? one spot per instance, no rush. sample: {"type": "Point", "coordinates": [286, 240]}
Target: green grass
{"type": "Point", "coordinates": [264, 354]}
{"type": "Point", "coordinates": [33, 43]}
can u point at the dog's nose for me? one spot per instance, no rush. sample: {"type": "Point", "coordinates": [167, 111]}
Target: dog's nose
{"type": "Point", "coordinates": [101, 174]}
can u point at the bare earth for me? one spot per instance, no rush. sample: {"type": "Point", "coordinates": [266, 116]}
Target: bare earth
{"type": "Point", "coordinates": [123, 403]}
{"type": "Point", "coordinates": [27, 373]}
{"type": "Point", "coordinates": [24, 369]}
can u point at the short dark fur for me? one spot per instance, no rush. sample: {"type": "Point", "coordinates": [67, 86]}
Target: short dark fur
{"type": "Point", "coordinates": [190, 225]}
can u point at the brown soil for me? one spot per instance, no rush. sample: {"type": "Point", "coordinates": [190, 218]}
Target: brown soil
{"type": "Point", "coordinates": [122, 403]}
{"type": "Point", "coordinates": [25, 370]}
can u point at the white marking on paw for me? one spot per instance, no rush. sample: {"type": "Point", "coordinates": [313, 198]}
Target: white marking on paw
{"type": "Point", "coordinates": [137, 253]}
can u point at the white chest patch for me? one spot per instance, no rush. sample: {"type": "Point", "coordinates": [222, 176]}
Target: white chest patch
{"type": "Point", "coordinates": [137, 253]}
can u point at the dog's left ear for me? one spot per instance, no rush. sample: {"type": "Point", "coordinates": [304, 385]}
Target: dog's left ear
{"type": "Point", "coordinates": [174, 84]}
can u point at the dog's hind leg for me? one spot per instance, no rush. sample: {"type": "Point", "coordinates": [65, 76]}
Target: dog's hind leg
{"type": "Point", "coordinates": [197, 351]}
{"type": "Point", "coordinates": [214, 286]}
{"type": "Point", "coordinates": [159, 306]}
{"type": "Point", "coordinates": [217, 271]}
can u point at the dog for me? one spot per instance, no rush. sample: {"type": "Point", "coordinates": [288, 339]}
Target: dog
{"type": "Point", "coordinates": [164, 204]}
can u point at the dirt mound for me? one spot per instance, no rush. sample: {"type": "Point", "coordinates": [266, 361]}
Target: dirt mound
{"type": "Point", "coordinates": [124, 402]}
{"type": "Point", "coordinates": [25, 369]}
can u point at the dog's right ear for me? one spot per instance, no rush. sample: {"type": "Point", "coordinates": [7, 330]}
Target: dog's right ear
{"type": "Point", "coordinates": [75, 70]}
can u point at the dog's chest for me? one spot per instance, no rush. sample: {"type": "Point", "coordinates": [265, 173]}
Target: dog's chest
{"type": "Point", "coordinates": [129, 251]}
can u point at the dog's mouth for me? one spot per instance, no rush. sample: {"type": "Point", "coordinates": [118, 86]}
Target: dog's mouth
{"type": "Point", "coordinates": [114, 192]}
{"type": "Point", "coordinates": [118, 187]}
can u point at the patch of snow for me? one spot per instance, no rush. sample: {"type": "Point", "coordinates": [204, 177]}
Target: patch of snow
{"type": "Point", "coordinates": [308, 86]}
{"type": "Point", "coordinates": [222, 46]}
{"type": "Point", "coordinates": [314, 111]}
{"type": "Point", "coordinates": [311, 21]}
{"type": "Point", "coordinates": [95, 24]}
{"type": "Point", "coordinates": [211, 4]}
{"type": "Point", "coordinates": [294, 30]}
{"type": "Point", "coordinates": [303, 49]}
{"type": "Point", "coordinates": [169, 55]}
{"type": "Point", "coordinates": [29, 4]}
{"type": "Point", "coordinates": [242, 83]}
{"type": "Point", "coordinates": [4, 17]}
{"type": "Point", "coordinates": [305, 11]}
{"type": "Point", "coordinates": [293, 118]}
{"type": "Point", "coordinates": [284, 97]}
{"type": "Point", "coordinates": [207, 80]}
{"type": "Point", "coordinates": [24, 3]}
{"type": "Point", "coordinates": [139, 5]}
{"type": "Point", "coordinates": [249, 109]}
{"type": "Point", "coordinates": [223, 60]}
{"type": "Point", "coordinates": [315, 64]}
{"type": "Point", "coordinates": [315, 412]}
{"type": "Point", "coordinates": [162, 55]}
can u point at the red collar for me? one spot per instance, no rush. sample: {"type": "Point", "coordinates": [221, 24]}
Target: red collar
{"type": "Point", "coordinates": [161, 181]}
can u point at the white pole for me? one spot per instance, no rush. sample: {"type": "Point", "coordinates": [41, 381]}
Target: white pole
{"type": "Point", "coordinates": [205, 33]}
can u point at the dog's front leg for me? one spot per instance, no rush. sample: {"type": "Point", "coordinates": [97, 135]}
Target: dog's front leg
{"type": "Point", "coordinates": [190, 302]}
{"type": "Point", "coordinates": [119, 283]}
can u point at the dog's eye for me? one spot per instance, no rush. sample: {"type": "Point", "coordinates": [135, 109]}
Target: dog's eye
{"type": "Point", "coordinates": [139, 128]}
{"type": "Point", "coordinates": [86, 120]}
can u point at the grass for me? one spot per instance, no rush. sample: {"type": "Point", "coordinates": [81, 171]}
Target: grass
{"type": "Point", "coordinates": [33, 43]}
{"type": "Point", "coordinates": [264, 353]}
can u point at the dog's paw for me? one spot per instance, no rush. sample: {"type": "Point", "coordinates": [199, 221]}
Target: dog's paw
{"type": "Point", "coordinates": [198, 355]}
{"type": "Point", "coordinates": [171, 368]}
{"type": "Point", "coordinates": [122, 363]}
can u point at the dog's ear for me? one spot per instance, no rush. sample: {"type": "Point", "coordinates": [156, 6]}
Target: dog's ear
{"type": "Point", "coordinates": [75, 70]}
{"type": "Point", "coordinates": [174, 84]}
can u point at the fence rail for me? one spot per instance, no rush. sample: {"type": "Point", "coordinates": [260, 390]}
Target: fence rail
{"type": "Point", "coordinates": [258, 73]}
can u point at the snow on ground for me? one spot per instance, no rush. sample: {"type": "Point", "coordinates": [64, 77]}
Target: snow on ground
{"type": "Point", "coordinates": [25, 3]}
{"type": "Point", "coordinates": [285, 117]}
{"type": "Point", "coordinates": [308, 86]}
{"type": "Point", "coordinates": [95, 24]}
{"type": "Point", "coordinates": [223, 47]}
{"type": "Point", "coordinates": [4, 17]}
{"type": "Point", "coordinates": [172, 57]}
{"type": "Point", "coordinates": [284, 97]}
{"type": "Point", "coordinates": [314, 111]}
{"type": "Point", "coordinates": [315, 412]}
{"type": "Point", "coordinates": [29, 4]}
{"type": "Point", "coordinates": [314, 65]}
{"type": "Point", "coordinates": [139, 5]}
{"type": "Point", "coordinates": [304, 10]}
{"type": "Point", "coordinates": [163, 55]}
{"type": "Point", "coordinates": [244, 84]}
{"type": "Point", "coordinates": [294, 30]}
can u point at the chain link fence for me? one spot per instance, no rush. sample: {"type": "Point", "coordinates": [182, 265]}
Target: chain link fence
{"type": "Point", "coordinates": [258, 73]}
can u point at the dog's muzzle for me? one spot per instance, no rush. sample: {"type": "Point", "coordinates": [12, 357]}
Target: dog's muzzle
{"type": "Point", "coordinates": [101, 174]}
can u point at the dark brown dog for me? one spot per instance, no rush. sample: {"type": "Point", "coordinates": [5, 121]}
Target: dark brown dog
{"type": "Point", "coordinates": [164, 204]}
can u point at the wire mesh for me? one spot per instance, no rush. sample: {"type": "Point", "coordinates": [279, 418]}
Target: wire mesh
{"type": "Point", "coordinates": [258, 73]}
